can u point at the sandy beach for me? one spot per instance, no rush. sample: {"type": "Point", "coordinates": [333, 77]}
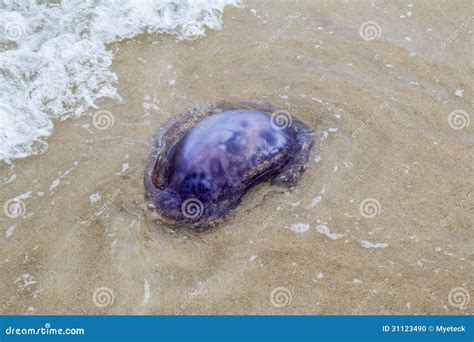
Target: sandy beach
{"type": "Point", "coordinates": [380, 223]}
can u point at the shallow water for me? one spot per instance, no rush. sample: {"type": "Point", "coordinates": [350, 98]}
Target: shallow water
{"type": "Point", "coordinates": [380, 223]}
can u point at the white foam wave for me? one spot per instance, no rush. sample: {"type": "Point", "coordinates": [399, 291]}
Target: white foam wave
{"type": "Point", "coordinates": [54, 62]}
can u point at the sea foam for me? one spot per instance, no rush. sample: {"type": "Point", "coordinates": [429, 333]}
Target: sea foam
{"type": "Point", "coordinates": [54, 63]}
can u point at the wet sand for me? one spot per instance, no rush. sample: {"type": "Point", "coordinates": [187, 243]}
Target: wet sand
{"type": "Point", "coordinates": [380, 223]}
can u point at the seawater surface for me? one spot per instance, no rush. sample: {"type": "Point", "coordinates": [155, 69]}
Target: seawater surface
{"type": "Point", "coordinates": [55, 62]}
